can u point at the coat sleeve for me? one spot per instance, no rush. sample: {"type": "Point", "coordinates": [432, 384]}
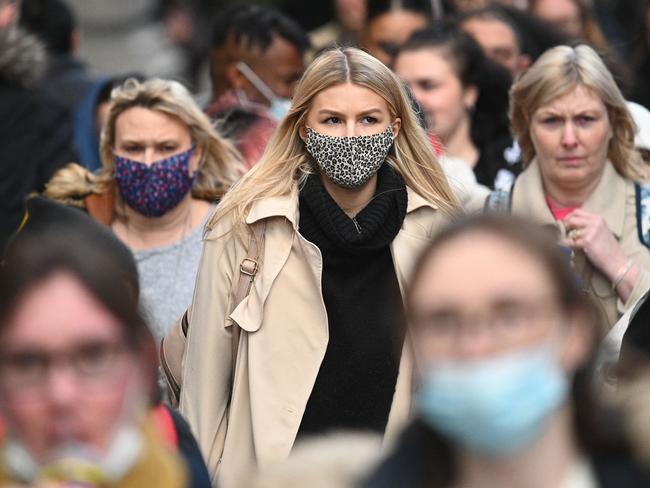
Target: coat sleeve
{"type": "Point", "coordinates": [207, 364]}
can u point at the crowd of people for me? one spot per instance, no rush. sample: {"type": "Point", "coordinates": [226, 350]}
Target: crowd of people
{"type": "Point", "coordinates": [407, 247]}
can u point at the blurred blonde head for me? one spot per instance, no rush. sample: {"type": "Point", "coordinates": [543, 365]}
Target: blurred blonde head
{"type": "Point", "coordinates": [285, 164]}
{"type": "Point", "coordinates": [220, 165]}
{"type": "Point", "coordinates": [557, 72]}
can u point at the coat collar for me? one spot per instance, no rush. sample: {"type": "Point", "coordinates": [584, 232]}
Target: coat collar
{"type": "Point", "coordinates": [607, 200]}
{"type": "Point", "coordinates": [287, 206]}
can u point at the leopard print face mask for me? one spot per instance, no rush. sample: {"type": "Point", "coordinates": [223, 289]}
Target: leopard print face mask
{"type": "Point", "coordinates": [349, 161]}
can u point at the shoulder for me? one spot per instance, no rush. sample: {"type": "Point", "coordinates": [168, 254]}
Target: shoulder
{"type": "Point", "coordinates": [619, 470]}
{"type": "Point", "coordinates": [407, 463]}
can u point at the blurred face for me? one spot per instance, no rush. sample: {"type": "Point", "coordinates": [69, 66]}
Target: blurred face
{"type": "Point", "coordinates": [564, 14]}
{"type": "Point", "coordinates": [66, 372]}
{"type": "Point", "coordinates": [498, 41]}
{"type": "Point", "coordinates": [438, 89]}
{"type": "Point", "coordinates": [387, 32]}
{"type": "Point", "coordinates": [479, 296]}
{"type": "Point", "coordinates": [279, 67]}
{"type": "Point", "coordinates": [571, 136]}
{"type": "Point", "coordinates": [349, 110]}
{"type": "Point", "coordinates": [147, 136]}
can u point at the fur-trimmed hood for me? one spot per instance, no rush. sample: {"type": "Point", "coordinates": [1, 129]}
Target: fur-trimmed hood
{"type": "Point", "coordinates": [22, 57]}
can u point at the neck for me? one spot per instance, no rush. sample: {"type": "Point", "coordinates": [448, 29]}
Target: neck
{"type": "Point", "coordinates": [546, 464]}
{"type": "Point", "coordinates": [564, 195]}
{"type": "Point", "coordinates": [140, 232]}
{"type": "Point", "coordinates": [351, 201]}
{"type": "Point", "coordinates": [459, 144]}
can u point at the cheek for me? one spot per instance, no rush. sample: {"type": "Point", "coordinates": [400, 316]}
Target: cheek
{"type": "Point", "coordinates": [544, 142]}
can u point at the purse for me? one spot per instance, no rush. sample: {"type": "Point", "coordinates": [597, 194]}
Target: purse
{"type": "Point", "coordinates": [172, 346]}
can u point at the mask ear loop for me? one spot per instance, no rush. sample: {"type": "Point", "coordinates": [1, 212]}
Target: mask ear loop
{"type": "Point", "coordinates": [257, 82]}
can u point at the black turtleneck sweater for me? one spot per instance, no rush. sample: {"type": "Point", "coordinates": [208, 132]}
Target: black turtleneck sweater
{"type": "Point", "coordinates": [356, 381]}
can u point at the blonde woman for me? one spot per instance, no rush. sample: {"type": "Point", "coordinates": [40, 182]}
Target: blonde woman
{"type": "Point", "coordinates": [582, 174]}
{"type": "Point", "coordinates": [347, 193]}
{"type": "Point", "coordinates": [164, 168]}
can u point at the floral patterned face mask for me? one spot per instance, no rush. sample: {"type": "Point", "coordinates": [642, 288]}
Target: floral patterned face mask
{"type": "Point", "coordinates": [155, 189]}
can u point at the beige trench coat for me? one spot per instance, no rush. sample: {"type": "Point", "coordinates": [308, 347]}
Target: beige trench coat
{"type": "Point", "coordinates": [614, 200]}
{"type": "Point", "coordinates": [283, 340]}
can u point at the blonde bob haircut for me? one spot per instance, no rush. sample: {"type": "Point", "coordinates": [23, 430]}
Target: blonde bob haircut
{"type": "Point", "coordinates": [285, 164]}
{"type": "Point", "coordinates": [220, 165]}
{"type": "Point", "coordinates": [557, 72]}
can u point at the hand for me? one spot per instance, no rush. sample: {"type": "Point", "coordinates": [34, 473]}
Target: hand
{"type": "Point", "coordinates": [588, 232]}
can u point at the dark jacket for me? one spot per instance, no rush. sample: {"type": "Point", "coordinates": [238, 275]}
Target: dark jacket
{"type": "Point", "coordinates": [35, 132]}
{"type": "Point", "coordinates": [410, 465]}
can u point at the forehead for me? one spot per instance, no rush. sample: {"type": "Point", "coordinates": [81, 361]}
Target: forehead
{"type": "Point", "coordinates": [281, 57]}
{"type": "Point", "coordinates": [140, 122]}
{"type": "Point", "coordinates": [348, 97]}
{"type": "Point", "coordinates": [477, 268]}
{"type": "Point", "coordinates": [575, 99]}
{"type": "Point", "coordinates": [428, 62]}
{"type": "Point", "coordinates": [58, 312]}
{"type": "Point", "coordinates": [396, 25]}
{"type": "Point", "coordinates": [491, 30]}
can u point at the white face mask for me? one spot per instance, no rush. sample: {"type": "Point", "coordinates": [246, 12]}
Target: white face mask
{"type": "Point", "coordinates": [77, 462]}
{"type": "Point", "coordinates": [279, 106]}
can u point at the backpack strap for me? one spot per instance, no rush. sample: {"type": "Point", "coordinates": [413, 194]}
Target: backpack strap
{"type": "Point", "coordinates": [498, 201]}
{"type": "Point", "coordinates": [643, 212]}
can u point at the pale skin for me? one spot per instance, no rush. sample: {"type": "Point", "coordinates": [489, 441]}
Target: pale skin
{"type": "Point", "coordinates": [349, 110]}
{"type": "Point", "coordinates": [55, 317]}
{"type": "Point", "coordinates": [147, 136]}
{"type": "Point", "coordinates": [571, 136]}
{"type": "Point", "coordinates": [478, 274]}
{"type": "Point", "coordinates": [444, 99]}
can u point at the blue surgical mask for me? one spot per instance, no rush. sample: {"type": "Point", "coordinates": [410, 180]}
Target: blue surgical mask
{"type": "Point", "coordinates": [496, 406]}
{"type": "Point", "coordinates": [279, 106]}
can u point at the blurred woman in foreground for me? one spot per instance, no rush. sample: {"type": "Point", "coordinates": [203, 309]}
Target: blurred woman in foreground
{"type": "Point", "coordinates": [504, 338]}
{"type": "Point", "coordinates": [77, 361]}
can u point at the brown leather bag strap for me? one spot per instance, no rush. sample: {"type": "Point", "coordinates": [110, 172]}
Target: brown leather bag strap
{"type": "Point", "coordinates": [247, 271]}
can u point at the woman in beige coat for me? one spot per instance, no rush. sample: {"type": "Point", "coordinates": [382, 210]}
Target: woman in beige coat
{"type": "Point", "coordinates": [582, 174]}
{"type": "Point", "coordinates": [346, 195]}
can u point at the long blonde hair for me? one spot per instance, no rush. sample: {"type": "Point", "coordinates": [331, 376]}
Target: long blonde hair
{"type": "Point", "coordinates": [558, 71]}
{"type": "Point", "coordinates": [285, 164]}
{"type": "Point", "coordinates": [221, 164]}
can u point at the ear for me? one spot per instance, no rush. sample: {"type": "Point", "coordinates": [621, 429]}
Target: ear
{"type": "Point", "coordinates": [577, 342]}
{"type": "Point", "coordinates": [234, 77]}
{"type": "Point", "coordinates": [470, 96]}
{"type": "Point", "coordinates": [397, 125]}
{"type": "Point", "coordinates": [75, 40]}
{"type": "Point", "coordinates": [195, 160]}
{"type": "Point", "coordinates": [523, 62]}
{"type": "Point", "coordinates": [302, 132]}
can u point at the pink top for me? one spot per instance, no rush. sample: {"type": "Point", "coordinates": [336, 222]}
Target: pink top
{"type": "Point", "coordinates": [560, 213]}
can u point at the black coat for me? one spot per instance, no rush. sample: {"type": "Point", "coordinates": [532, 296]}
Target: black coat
{"type": "Point", "coordinates": [35, 141]}
{"type": "Point", "coordinates": [409, 465]}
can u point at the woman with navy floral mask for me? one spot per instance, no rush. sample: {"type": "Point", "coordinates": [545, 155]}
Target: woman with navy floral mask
{"type": "Point", "coordinates": [504, 340]}
{"type": "Point", "coordinates": [164, 169]}
{"type": "Point", "coordinates": [346, 194]}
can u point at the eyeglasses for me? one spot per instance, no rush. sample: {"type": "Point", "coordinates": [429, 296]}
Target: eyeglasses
{"type": "Point", "coordinates": [505, 321]}
{"type": "Point", "coordinates": [30, 369]}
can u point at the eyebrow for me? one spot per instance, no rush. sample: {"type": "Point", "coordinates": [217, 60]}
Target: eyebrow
{"type": "Point", "coordinates": [327, 111]}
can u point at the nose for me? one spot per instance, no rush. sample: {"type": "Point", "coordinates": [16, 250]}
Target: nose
{"type": "Point", "coordinates": [149, 155]}
{"type": "Point", "coordinates": [351, 128]}
{"type": "Point", "coordinates": [569, 136]}
{"type": "Point", "coordinates": [62, 387]}
{"type": "Point", "coordinates": [474, 342]}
